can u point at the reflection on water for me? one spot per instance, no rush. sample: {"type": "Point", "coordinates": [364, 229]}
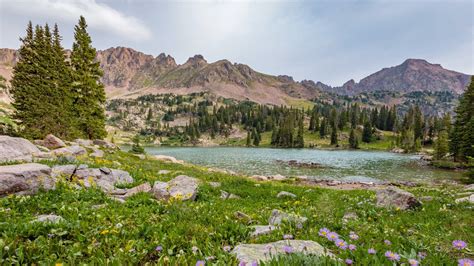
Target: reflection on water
{"type": "Point", "coordinates": [342, 165]}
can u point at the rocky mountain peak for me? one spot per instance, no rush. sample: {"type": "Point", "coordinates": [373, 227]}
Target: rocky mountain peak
{"type": "Point", "coordinates": [196, 61]}
{"type": "Point", "coordinates": [166, 60]}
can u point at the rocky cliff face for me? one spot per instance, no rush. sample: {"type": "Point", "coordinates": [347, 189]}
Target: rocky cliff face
{"type": "Point", "coordinates": [412, 75]}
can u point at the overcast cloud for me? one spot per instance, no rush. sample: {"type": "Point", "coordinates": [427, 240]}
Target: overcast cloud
{"type": "Point", "coordinates": [329, 41]}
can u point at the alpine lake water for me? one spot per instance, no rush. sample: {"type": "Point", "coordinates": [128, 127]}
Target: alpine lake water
{"type": "Point", "coordinates": [346, 165]}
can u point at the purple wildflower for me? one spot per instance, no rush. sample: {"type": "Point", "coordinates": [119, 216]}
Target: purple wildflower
{"type": "Point", "coordinates": [413, 262]}
{"type": "Point", "coordinates": [352, 247]}
{"type": "Point", "coordinates": [371, 251]}
{"type": "Point", "coordinates": [242, 263]}
{"type": "Point", "coordinates": [287, 249]}
{"type": "Point", "coordinates": [324, 232]}
{"type": "Point", "coordinates": [254, 263]}
{"type": "Point", "coordinates": [459, 244]}
{"type": "Point", "coordinates": [465, 262]}
{"type": "Point", "coordinates": [392, 256]}
{"type": "Point", "coordinates": [159, 248]}
{"type": "Point", "coordinates": [286, 237]}
{"type": "Point", "coordinates": [422, 255]}
{"type": "Point", "coordinates": [349, 262]}
{"type": "Point", "coordinates": [200, 263]}
{"type": "Point", "coordinates": [353, 236]}
{"type": "Point", "coordinates": [227, 248]}
{"type": "Point", "coordinates": [387, 242]}
{"type": "Point", "coordinates": [333, 236]}
{"type": "Point", "coordinates": [341, 244]}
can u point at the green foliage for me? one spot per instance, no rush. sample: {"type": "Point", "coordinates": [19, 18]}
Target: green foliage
{"type": "Point", "coordinates": [353, 140]}
{"type": "Point", "coordinates": [462, 135]}
{"type": "Point", "coordinates": [441, 147]}
{"type": "Point", "coordinates": [136, 147]}
{"type": "Point", "coordinates": [367, 132]}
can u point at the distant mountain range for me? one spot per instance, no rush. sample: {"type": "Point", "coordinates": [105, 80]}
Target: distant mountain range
{"type": "Point", "coordinates": [130, 73]}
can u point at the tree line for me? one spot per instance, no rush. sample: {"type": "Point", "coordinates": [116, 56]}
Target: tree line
{"type": "Point", "coordinates": [55, 93]}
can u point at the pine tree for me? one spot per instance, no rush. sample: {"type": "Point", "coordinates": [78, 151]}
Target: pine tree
{"type": "Point", "coordinates": [299, 142]}
{"type": "Point", "coordinates": [367, 133]}
{"type": "Point", "coordinates": [353, 140]}
{"type": "Point", "coordinates": [441, 145]}
{"type": "Point", "coordinates": [89, 94]}
{"type": "Point", "coordinates": [462, 135]}
{"type": "Point", "coordinates": [322, 128]}
{"type": "Point", "coordinates": [334, 135]}
{"type": "Point", "coordinates": [249, 141]}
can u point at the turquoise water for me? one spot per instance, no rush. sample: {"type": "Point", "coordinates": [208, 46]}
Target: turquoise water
{"type": "Point", "coordinates": [338, 165]}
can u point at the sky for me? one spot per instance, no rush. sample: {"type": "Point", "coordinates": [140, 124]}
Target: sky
{"type": "Point", "coordinates": [331, 41]}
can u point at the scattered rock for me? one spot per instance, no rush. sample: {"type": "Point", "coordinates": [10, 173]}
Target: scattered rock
{"type": "Point", "coordinates": [349, 216]}
{"type": "Point", "coordinates": [98, 206]}
{"type": "Point", "coordinates": [51, 142]}
{"type": "Point", "coordinates": [25, 179]}
{"type": "Point", "coordinates": [426, 198]}
{"type": "Point", "coordinates": [48, 218]}
{"type": "Point", "coordinates": [16, 149]}
{"type": "Point", "coordinates": [42, 148]}
{"type": "Point", "coordinates": [145, 187]}
{"type": "Point", "coordinates": [262, 230]}
{"type": "Point", "coordinates": [469, 187]}
{"type": "Point", "coordinates": [254, 253]}
{"type": "Point", "coordinates": [105, 170]}
{"type": "Point", "coordinates": [279, 217]}
{"type": "Point", "coordinates": [398, 198]}
{"type": "Point", "coordinates": [164, 172]}
{"type": "Point", "coordinates": [277, 177]}
{"type": "Point", "coordinates": [83, 142]}
{"type": "Point", "coordinates": [242, 216]}
{"type": "Point", "coordinates": [181, 187]}
{"type": "Point", "coordinates": [214, 184]}
{"type": "Point", "coordinates": [63, 170]}
{"type": "Point", "coordinates": [119, 200]}
{"type": "Point", "coordinates": [469, 199]}
{"type": "Point", "coordinates": [397, 150]}
{"type": "Point", "coordinates": [166, 158]}
{"type": "Point", "coordinates": [259, 178]}
{"type": "Point", "coordinates": [69, 150]}
{"type": "Point", "coordinates": [107, 182]}
{"type": "Point", "coordinates": [226, 195]}
{"type": "Point", "coordinates": [118, 191]}
{"type": "Point", "coordinates": [105, 144]}
{"type": "Point", "coordinates": [284, 194]}
{"type": "Point", "coordinates": [97, 153]}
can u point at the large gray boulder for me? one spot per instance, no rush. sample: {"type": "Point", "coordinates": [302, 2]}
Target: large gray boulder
{"type": "Point", "coordinates": [278, 217]}
{"type": "Point", "coordinates": [16, 149]}
{"type": "Point", "coordinates": [469, 199]}
{"type": "Point", "coordinates": [285, 194]}
{"type": "Point", "coordinates": [51, 142]}
{"type": "Point", "coordinates": [105, 144]}
{"type": "Point", "coordinates": [256, 253]}
{"type": "Point", "coordinates": [181, 187]}
{"type": "Point", "coordinates": [262, 230]}
{"type": "Point", "coordinates": [393, 197]}
{"type": "Point", "coordinates": [48, 218]}
{"type": "Point", "coordinates": [25, 179]}
{"type": "Point", "coordinates": [69, 150]}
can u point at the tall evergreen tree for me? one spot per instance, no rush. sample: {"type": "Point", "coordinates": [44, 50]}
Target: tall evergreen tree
{"type": "Point", "coordinates": [89, 94]}
{"type": "Point", "coordinates": [353, 140]}
{"type": "Point", "coordinates": [441, 147]}
{"type": "Point", "coordinates": [462, 135]}
{"type": "Point", "coordinates": [299, 142]}
{"type": "Point", "coordinates": [367, 132]}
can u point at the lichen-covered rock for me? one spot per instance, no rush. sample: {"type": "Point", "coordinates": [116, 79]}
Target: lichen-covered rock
{"type": "Point", "coordinates": [262, 230]}
{"type": "Point", "coordinates": [48, 218]}
{"type": "Point", "coordinates": [25, 179]}
{"type": "Point", "coordinates": [284, 194]}
{"type": "Point", "coordinates": [83, 142]}
{"type": "Point", "coordinates": [255, 253]}
{"type": "Point", "coordinates": [69, 150]}
{"type": "Point", "coordinates": [214, 184]}
{"type": "Point", "coordinates": [51, 142]}
{"type": "Point", "coordinates": [16, 149]}
{"type": "Point", "coordinates": [145, 187]}
{"type": "Point", "coordinates": [105, 144]}
{"type": "Point", "coordinates": [393, 197]}
{"type": "Point", "coordinates": [181, 187]}
{"type": "Point", "coordinates": [469, 199]}
{"type": "Point", "coordinates": [259, 178]}
{"type": "Point", "coordinates": [160, 190]}
{"type": "Point", "coordinates": [278, 217]}
{"type": "Point", "coordinates": [97, 153]}
{"type": "Point", "coordinates": [226, 195]}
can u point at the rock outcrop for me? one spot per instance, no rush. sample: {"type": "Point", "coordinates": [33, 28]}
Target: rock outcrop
{"type": "Point", "coordinates": [25, 179]}
{"type": "Point", "coordinates": [181, 188]}
{"type": "Point", "coordinates": [278, 217]}
{"type": "Point", "coordinates": [16, 149]}
{"type": "Point", "coordinates": [51, 142]}
{"type": "Point", "coordinates": [393, 197]}
{"type": "Point", "coordinates": [248, 254]}
{"type": "Point", "coordinates": [75, 150]}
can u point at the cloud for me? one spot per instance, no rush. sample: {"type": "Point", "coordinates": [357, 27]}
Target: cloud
{"type": "Point", "coordinates": [98, 15]}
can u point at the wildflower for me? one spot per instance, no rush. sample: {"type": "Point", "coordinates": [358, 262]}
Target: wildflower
{"type": "Point", "coordinates": [352, 247]}
{"type": "Point", "coordinates": [459, 244]}
{"type": "Point", "coordinates": [242, 263]}
{"type": "Point", "coordinates": [413, 262]}
{"type": "Point", "coordinates": [50, 235]}
{"type": "Point", "coordinates": [353, 236]}
{"type": "Point", "coordinates": [159, 248]}
{"type": "Point", "coordinates": [254, 263]}
{"type": "Point", "coordinates": [422, 255]}
{"type": "Point", "coordinates": [392, 256]}
{"type": "Point", "coordinates": [287, 249]}
{"type": "Point", "coordinates": [387, 242]}
{"type": "Point", "coordinates": [195, 249]}
{"type": "Point", "coordinates": [210, 258]}
{"type": "Point", "coordinates": [286, 237]}
{"type": "Point", "coordinates": [324, 232]}
{"type": "Point", "coordinates": [465, 262]}
{"type": "Point", "coordinates": [200, 263]}
{"type": "Point", "coordinates": [349, 262]}
{"type": "Point", "coordinates": [333, 236]}
{"type": "Point", "coordinates": [227, 248]}
{"type": "Point", "coordinates": [119, 225]}
{"type": "Point", "coordinates": [371, 251]}
{"type": "Point", "coordinates": [341, 244]}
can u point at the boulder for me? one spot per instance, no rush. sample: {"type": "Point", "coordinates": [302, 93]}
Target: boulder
{"type": "Point", "coordinates": [69, 150]}
{"type": "Point", "coordinates": [393, 197]}
{"type": "Point", "coordinates": [243, 217]}
{"type": "Point", "coordinates": [214, 184]}
{"type": "Point", "coordinates": [278, 217]}
{"type": "Point", "coordinates": [51, 142]}
{"type": "Point", "coordinates": [226, 195]}
{"type": "Point", "coordinates": [426, 198]}
{"type": "Point", "coordinates": [397, 150]}
{"type": "Point", "coordinates": [284, 194]}
{"type": "Point", "coordinates": [259, 178]}
{"type": "Point", "coordinates": [469, 187]}
{"type": "Point", "coordinates": [181, 187]}
{"type": "Point", "coordinates": [48, 218]}
{"type": "Point", "coordinates": [166, 158]}
{"type": "Point", "coordinates": [277, 177]}
{"type": "Point", "coordinates": [469, 199]}
{"type": "Point", "coordinates": [105, 144]}
{"type": "Point", "coordinates": [16, 149]}
{"type": "Point", "coordinates": [66, 171]}
{"type": "Point", "coordinates": [262, 230]}
{"type": "Point", "coordinates": [84, 142]}
{"type": "Point", "coordinates": [145, 187]}
{"type": "Point", "coordinates": [25, 179]}
{"type": "Point", "coordinates": [103, 179]}
{"type": "Point", "coordinates": [248, 254]}
{"type": "Point", "coordinates": [164, 172]}
{"type": "Point", "coordinates": [97, 153]}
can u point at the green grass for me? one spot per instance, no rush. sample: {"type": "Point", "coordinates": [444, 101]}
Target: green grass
{"type": "Point", "coordinates": [128, 233]}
